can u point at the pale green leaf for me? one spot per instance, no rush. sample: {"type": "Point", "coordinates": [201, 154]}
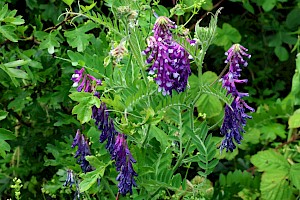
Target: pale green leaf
{"type": "Point", "coordinates": [294, 120]}
{"type": "Point", "coordinates": [269, 160]}
{"type": "Point", "coordinates": [274, 185]}
{"type": "Point", "coordinates": [88, 181]}
{"type": "Point", "coordinates": [17, 73]}
{"type": "Point", "coordinates": [94, 161]}
{"type": "Point", "coordinates": [17, 63]}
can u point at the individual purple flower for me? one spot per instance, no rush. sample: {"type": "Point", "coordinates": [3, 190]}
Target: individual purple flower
{"type": "Point", "coordinates": [235, 116]}
{"type": "Point", "coordinates": [170, 61]}
{"type": "Point", "coordinates": [124, 160]}
{"type": "Point", "coordinates": [70, 178]}
{"type": "Point", "coordinates": [88, 82]}
{"type": "Point", "coordinates": [82, 151]}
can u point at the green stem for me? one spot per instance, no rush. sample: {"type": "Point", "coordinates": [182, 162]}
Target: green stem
{"type": "Point", "coordinates": [178, 163]}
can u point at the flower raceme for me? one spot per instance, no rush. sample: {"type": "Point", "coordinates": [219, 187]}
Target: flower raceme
{"type": "Point", "coordinates": [170, 61]}
{"type": "Point", "coordinates": [88, 82]}
{"type": "Point", "coordinates": [235, 116]}
{"type": "Point", "coordinates": [82, 151]}
{"type": "Point", "coordinates": [116, 142]}
{"type": "Point", "coordinates": [117, 147]}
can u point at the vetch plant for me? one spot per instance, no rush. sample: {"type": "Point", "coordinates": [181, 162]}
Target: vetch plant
{"type": "Point", "coordinates": [171, 61]}
{"type": "Point", "coordinates": [235, 116]}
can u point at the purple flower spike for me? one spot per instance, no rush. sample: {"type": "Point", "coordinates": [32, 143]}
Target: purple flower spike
{"type": "Point", "coordinates": [105, 125]}
{"type": "Point", "coordinates": [124, 161]}
{"type": "Point", "coordinates": [88, 82]}
{"type": "Point", "coordinates": [235, 116]}
{"type": "Point", "coordinates": [82, 151]}
{"type": "Point", "coordinates": [170, 61]}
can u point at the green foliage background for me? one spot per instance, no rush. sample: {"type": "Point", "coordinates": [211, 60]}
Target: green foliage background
{"type": "Point", "coordinates": [42, 43]}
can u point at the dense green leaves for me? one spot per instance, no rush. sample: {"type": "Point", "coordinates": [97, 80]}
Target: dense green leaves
{"type": "Point", "coordinates": [174, 139]}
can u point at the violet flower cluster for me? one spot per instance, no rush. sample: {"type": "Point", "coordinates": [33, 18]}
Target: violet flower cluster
{"type": "Point", "coordinates": [116, 142]}
{"type": "Point", "coordinates": [170, 61]}
{"type": "Point", "coordinates": [82, 151]}
{"type": "Point", "coordinates": [88, 82]}
{"type": "Point", "coordinates": [235, 116]}
{"type": "Point", "coordinates": [118, 149]}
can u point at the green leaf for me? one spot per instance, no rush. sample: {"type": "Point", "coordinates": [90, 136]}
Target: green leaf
{"type": "Point", "coordinates": [281, 53]}
{"type": "Point", "coordinates": [3, 114]}
{"type": "Point", "coordinates": [270, 160]}
{"type": "Point", "coordinates": [6, 134]}
{"type": "Point", "coordinates": [248, 6]}
{"type": "Point", "coordinates": [77, 37]}
{"type": "Point", "coordinates": [210, 105]}
{"type": "Point", "coordinates": [227, 36]}
{"type": "Point", "coordinates": [50, 42]}
{"type": "Point", "coordinates": [17, 73]}
{"type": "Point", "coordinates": [8, 32]}
{"type": "Point", "coordinates": [274, 185]}
{"type": "Point", "coordinates": [94, 161]}
{"type": "Point", "coordinates": [294, 120]}
{"type": "Point", "coordinates": [296, 82]}
{"type": "Point", "coordinates": [68, 2]}
{"type": "Point", "coordinates": [292, 19]}
{"type": "Point", "coordinates": [160, 136]}
{"type": "Point", "coordinates": [268, 5]}
{"type": "Point", "coordinates": [16, 63]}
{"type": "Point", "coordinates": [84, 108]}
{"type": "Point", "coordinates": [294, 175]}
{"type": "Point", "coordinates": [89, 180]}
{"type": "Point", "coordinates": [270, 131]}
{"type": "Point", "coordinates": [161, 11]}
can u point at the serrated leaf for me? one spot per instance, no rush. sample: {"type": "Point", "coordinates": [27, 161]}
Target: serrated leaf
{"type": "Point", "coordinates": [270, 160]}
{"type": "Point", "coordinates": [8, 32]}
{"type": "Point", "coordinates": [78, 38]}
{"type": "Point", "coordinates": [227, 36]}
{"type": "Point", "coordinates": [274, 186]}
{"type": "Point", "coordinates": [294, 175]}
